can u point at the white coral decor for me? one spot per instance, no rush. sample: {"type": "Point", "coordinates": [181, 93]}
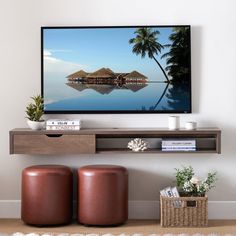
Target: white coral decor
{"type": "Point", "coordinates": [137, 145]}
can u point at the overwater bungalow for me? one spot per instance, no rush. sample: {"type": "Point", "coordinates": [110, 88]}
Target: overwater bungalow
{"type": "Point", "coordinates": [120, 77]}
{"type": "Point", "coordinates": [101, 76]}
{"type": "Point", "coordinates": [77, 76]}
{"type": "Point", "coordinates": [135, 77]}
{"type": "Point", "coordinates": [107, 76]}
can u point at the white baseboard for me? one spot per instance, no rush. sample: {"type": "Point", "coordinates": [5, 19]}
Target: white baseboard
{"type": "Point", "coordinates": [137, 209]}
{"type": "Point", "coordinates": [10, 209]}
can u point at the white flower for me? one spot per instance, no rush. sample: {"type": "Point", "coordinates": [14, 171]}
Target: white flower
{"type": "Point", "coordinates": [206, 186]}
{"type": "Point", "coordinates": [203, 187]}
{"type": "Point", "coordinates": [188, 187]}
{"type": "Point", "coordinates": [195, 180]}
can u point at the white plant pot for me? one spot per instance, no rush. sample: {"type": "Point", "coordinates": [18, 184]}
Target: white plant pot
{"type": "Point", "coordinates": [36, 125]}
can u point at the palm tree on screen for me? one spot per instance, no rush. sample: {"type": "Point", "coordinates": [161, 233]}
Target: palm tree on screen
{"type": "Point", "coordinates": [146, 43]}
{"type": "Point", "coordinates": [178, 57]}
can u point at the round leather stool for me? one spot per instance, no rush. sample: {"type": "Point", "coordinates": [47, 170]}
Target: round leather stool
{"type": "Point", "coordinates": [46, 197]}
{"type": "Point", "coordinates": [102, 195]}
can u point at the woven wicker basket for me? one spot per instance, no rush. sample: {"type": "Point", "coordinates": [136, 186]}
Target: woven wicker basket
{"type": "Point", "coordinates": [184, 211]}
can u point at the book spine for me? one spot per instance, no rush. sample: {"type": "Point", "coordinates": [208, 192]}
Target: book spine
{"type": "Point", "coordinates": [193, 148]}
{"type": "Point", "coordinates": [179, 143]}
{"type": "Point", "coordinates": [69, 122]}
{"type": "Point", "coordinates": [178, 150]}
{"type": "Point", "coordinates": [179, 147]}
{"type": "Point", "coordinates": [62, 127]}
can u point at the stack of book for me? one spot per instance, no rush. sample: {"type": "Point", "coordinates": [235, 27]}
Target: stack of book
{"type": "Point", "coordinates": [58, 124]}
{"type": "Point", "coordinates": [178, 145]}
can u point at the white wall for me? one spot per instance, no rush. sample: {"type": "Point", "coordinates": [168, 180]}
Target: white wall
{"type": "Point", "coordinates": [213, 86]}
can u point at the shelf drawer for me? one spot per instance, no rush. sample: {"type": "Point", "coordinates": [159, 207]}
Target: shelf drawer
{"type": "Point", "coordinates": [53, 144]}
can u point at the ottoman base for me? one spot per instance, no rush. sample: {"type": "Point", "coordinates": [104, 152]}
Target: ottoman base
{"type": "Point", "coordinates": [46, 195]}
{"type": "Point", "coordinates": [102, 195]}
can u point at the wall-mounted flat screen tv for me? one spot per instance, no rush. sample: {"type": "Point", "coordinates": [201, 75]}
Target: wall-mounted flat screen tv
{"type": "Point", "coordinates": [126, 69]}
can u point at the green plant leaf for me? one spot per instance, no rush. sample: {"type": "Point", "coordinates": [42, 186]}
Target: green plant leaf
{"type": "Point", "coordinates": [34, 110]}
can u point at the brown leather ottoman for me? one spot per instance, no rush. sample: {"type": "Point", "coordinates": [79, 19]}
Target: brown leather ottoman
{"type": "Point", "coordinates": [102, 195]}
{"type": "Point", "coordinates": [46, 197]}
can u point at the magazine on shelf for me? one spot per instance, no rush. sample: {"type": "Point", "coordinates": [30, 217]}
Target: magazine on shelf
{"type": "Point", "coordinates": [175, 192]}
{"type": "Point", "coordinates": [169, 192]}
{"type": "Point", "coordinates": [163, 193]}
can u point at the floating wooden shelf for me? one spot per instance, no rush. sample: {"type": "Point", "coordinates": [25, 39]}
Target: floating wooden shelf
{"type": "Point", "coordinates": [92, 141]}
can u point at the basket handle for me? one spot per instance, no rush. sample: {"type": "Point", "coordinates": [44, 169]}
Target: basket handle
{"type": "Point", "coordinates": [190, 204]}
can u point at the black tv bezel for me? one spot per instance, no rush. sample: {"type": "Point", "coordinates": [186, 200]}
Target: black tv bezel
{"type": "Point", "coordinates": [113, 111]}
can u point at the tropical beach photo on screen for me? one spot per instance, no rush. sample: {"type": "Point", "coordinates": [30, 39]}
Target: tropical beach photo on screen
{"type": "Point", "coordinates": [140, 69]}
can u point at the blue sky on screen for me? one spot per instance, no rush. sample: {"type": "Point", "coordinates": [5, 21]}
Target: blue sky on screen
{"type": "Point", "coordinates": [92, 49]}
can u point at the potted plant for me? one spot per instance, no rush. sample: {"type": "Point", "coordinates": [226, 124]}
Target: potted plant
{"type": "Point", "coordinates": [34, 113]}
{"type": "Point", "coordinates": [191, 185]}
{"type": "Point", "coordinates": [189, 207]}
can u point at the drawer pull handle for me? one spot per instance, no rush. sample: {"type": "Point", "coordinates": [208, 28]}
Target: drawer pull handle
{"type": "Point", "coordinates": [54, 135]}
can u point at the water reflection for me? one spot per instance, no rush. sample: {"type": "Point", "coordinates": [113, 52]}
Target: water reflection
{"type": "Point", "coordinates": [178, 96]}
{"type": "Point", "coordinates": [150, 96]}
{"type": "Point", "coordinates": [161, 97]}
{"type": "Point", "coordinates": [106, 88]}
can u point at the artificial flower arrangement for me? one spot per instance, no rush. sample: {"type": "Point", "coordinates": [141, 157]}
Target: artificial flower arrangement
{"type": "Point", "coordinates": [190, 185]}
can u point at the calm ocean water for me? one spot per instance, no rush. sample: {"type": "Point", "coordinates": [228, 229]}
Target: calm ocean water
{"type": "Point", "coordinates": [149, 96]}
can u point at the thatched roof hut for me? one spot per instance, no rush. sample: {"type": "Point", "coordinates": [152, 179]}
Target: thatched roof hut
{"type": "Point", "coordinates": [102, 73]}
{"type": "Point", "coordinates": [121, 75]}
{"type": "Point", "coordinates": [135, 75]}
{"type": "Point", "coordinates": [77, 74]}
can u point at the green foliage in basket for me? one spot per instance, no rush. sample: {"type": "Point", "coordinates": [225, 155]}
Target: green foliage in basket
{"type": "Point", "coordinates": [34, 110]}
{"type": "Point", "coordinates": [191, 185]}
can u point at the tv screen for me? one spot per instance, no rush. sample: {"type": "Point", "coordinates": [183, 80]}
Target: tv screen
{"type": "Point", "coordinates": [138, 69]}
